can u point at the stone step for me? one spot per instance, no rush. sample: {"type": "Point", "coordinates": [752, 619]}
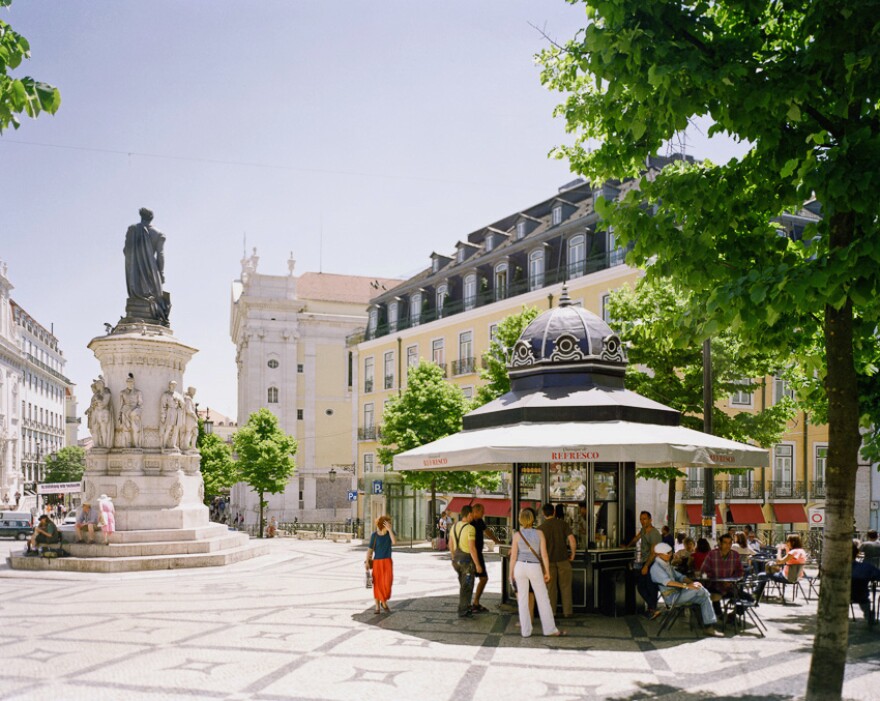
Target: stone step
{"type": "Point", "coordinates": [138, 564]}
{"type": "Point", "coordinates": [163, 547]}
{"type": "Point", "coordinates": [211, 530]}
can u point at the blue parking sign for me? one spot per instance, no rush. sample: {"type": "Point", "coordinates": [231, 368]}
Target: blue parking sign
{"type": "Point", "coordinates": [352, 496]}
{"type": "Point", "coordinates": [377, 486]}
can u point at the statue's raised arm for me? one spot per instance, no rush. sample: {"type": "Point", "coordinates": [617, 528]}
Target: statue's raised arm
{"type": "Point", "coordinates": [145, 273]}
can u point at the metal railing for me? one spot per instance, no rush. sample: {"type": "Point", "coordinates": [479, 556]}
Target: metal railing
{"type": "Point", "coordinates": [786, 489]}
{"type": "Point", "coordinates": [744, 491]}
{"type": "Point", "coordinates": [694, 489]}
{"type": "Point", "coordinates": [290, 529]}
{"type": "Point", "coordinates": [464, 366]}
{"type": "Point", "coordinates": [818, 489]}
{"type": "Point", "coordinates": [368, 433]}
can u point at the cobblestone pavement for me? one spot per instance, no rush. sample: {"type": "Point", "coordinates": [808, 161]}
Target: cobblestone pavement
{"type": "Point", "coordinates": [299, 624]}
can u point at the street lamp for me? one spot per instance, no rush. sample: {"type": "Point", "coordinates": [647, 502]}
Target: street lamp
{"type": "Point", "coordinates": [347, 468]}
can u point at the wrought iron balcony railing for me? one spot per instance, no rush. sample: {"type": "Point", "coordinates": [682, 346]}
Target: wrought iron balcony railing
{"type": "Point", "coordinates": [787, 489]}
{"type": "Point", "coordinates": [464, 366]}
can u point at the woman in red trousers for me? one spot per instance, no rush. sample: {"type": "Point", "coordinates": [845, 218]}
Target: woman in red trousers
{"type": "Point", "coordinates": [379, 556]}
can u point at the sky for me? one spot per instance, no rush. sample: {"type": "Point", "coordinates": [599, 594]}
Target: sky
{"type": "Point", "coordinates": [358, 136]}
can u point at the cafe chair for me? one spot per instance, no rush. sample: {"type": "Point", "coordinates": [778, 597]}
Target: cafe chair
{"type": "Point", "coordinates": [745, 608]}
{"type": "Point", "coordinates": [673, 613]}
{"type": "Point", "coordinates": [780, 581]}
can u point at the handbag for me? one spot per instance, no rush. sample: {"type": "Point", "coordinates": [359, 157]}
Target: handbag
{"type": "Point", "coordinates": [369, 579]}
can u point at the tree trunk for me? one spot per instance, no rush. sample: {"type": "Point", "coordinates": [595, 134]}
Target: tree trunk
{"type": "Point", "coordinates": [670, 509]}
{"type": "Point", "coordinates": [832, 623]}
{"type": "Point", "coordinates": [260, 529]}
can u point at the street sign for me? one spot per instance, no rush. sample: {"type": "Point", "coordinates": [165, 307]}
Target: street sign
{"type": "Point", "coordinates": [377, 486]}
{"type": "Point", "coordinates": [60, 488]}
{"type": "Point", "coordinates": [352, 496]}
{"type": "Point", "coordinates": [817, 517]}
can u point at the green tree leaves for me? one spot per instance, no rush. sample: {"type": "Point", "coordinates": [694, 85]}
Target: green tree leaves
{"type": "Point", "coordinates": [67, 465]}
{"type": "Point", "coordinates": [20, 95]}
{"type": "Point", "coordinates": [219, 471]}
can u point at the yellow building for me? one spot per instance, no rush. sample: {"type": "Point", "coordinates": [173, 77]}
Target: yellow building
{"type": "Point", "coordinates": [448, 312]}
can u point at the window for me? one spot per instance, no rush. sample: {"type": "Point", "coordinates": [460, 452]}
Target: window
{"type": "Point", "coordinates": [435, 265]}
{"type": "Point", "coordinates": [781, 390]}
{"type": "Point", "coordinates": [369, 374]}
{"type": "Point", "coordinates": [437, 351]}
{"type": "Point", "coordinates": [374, 319]}
{"type": "Point", "coordinates": [442, 292]}
{"type": "Point", "coordinates": [820, 463]}
{"type": "Point", "coordinates": [461, 254]}
{"type": "Point", "coordinates": [415, 309]}
{"type": "Point", "coordinates": [470, 291]}
{"type": "Point", "coordinates": [368, 462]}
{"type": "Point", "coordinates": [369, 416]}
{"type": "Point", "coordinates": [299, 367]}
{"type": "Point", "coordinates": [520, 230]}
{"type": "Point", "coordinates": [489, 241]}
{"type": "Point", "coordinates": [536, 270]}
{"type": "Point", "coordinates": [557, 215]}
{"type": "Point", "coordinates": [392, 316]}
{"type": "Point", "coordinates": [389, 370]}
{"type": "Point", "coordinates": [616, 253]}
{"type": "Point", "coordinates": [742, 397]}
{"type": "Point", "coordinates": [577, 255]}
{"type": "Point", "coordinates": [468, 392]}
{"type": "Point", "coordinates": [501, 281]}
{"type": "Point", "coordinates": [299, 414]}
{"type": "Point", "coordinates": [465, 345]}
{"type": "Point", "coordinates": [783, 466]}
{"type": "Point", "coordinates": [272, 395]}
{"type": "Point", "coordinates": [493, 332]}
{"type": "Point", "coordinates": [412, 357]}
{"type": "Point", "coordinates": [606, 315]}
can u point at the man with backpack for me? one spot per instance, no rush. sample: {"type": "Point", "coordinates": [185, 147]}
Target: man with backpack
{"type": "Point", "coordinates": [465, 560]}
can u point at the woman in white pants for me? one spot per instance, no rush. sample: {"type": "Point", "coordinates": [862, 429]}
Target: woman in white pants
{"type": "Point", "coordinates": [525, 568]}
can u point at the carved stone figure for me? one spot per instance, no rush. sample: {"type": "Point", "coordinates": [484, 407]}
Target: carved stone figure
{"type": "Point", "coordinates": [172, 414]}
{"type": "Point", "coordinates": [191, 421]}
{"type": "Point", "coordinates": [131, 400]}
{"type": "Point", "coordinates": [145, 273]}
{"type": "Point", "coordinates": [100, 415]}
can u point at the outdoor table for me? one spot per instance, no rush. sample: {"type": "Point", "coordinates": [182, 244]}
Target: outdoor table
{"type": "Point", "coordinates": [729, 601]}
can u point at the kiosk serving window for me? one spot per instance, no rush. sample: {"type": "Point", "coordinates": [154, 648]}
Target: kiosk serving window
{"type": "Point", "coordinates": [606, 488]}
{"type": "Point", "coordinates": [531, 488]}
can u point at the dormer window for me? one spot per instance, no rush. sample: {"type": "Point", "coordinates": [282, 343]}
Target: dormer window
{"type": "Point", "coordinates": [374, 320]}
{"type": "Point", "coordinates": [435, 265]}
{"type": "Point", "coordinates": [415, 309]}
{"type": "Point", "coordinates": [557, 215]}
{"type": "Point", "coordinates": [470, 291]}
{"type": "Point", "coordinates": [520, 230]}
{"type": "Point", "coordinates": [392, 316]}
{"type": "Point", "coordinates": [442, 292]}
{"type": "Point", "coordinates": [461, 255]}
{"type": "Point", "coordinates": [490, 242]}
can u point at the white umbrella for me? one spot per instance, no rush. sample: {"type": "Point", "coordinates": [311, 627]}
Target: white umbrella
{"type": "Point", "coordinates": [647, 445]}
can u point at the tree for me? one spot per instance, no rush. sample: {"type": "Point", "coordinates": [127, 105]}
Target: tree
{"type": "Point", "coordinates": [265, 456]}
{"type": "Point", "coordinates": [668, 367]}
{"type": "Point", "coordinates": [219, 470]}
{"type": "Point", "coordinates": [797, 82]}
{"type": "Point", "coordinates": [496, 359]}
{"type": "Point", "coordinates": [67, 465]}
{"type": "Point", "coordinates": [429, 408]}
{"type": "Point", "coordinates": [20, 95]}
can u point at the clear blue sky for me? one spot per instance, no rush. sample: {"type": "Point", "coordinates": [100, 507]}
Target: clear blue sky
{"type": "Point", "coordinates": [387, 129]}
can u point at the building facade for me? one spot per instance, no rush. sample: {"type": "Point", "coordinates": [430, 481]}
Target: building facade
{"type": "Point", "coordinates": [292, 358]}
{"type": "Point", "coordinates": [447, 314]}
{"type": "Point", "coordinates": [35, 398]}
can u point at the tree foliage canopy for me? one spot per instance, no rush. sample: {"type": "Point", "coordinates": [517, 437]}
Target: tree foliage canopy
{"type": "Point", "coordinates": [67, 465]}
{"type": "Point", "coordinates": [496, 359]}
{"type": "Point", "coordinates": [219, 471]}
{"type": "Point", "coordinates": [20, 95]}
{"type": "Point", "coordinates": [429, 408]}
{"type": "Point", "coordinates": [798, 82]}
{"type": "Point", "coordinates": [265, 453]}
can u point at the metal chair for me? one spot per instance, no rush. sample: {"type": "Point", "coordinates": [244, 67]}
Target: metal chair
{"type": "Point", "coordinates": [792, 579]}
{"type": "Point", "coordinates": [744, 608]}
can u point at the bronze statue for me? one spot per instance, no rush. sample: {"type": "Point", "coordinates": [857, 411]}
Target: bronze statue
{"type": "Point", "coordinates": [145, 273]}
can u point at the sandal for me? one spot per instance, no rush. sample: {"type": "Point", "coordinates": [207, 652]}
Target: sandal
{"type": "Point", "coordinates": [385, 606]}
{"type": "Point", "coordinates": [479, 608]}
{"type": "Point", "coordinates": [378, 609]}
{"type": "Point", "coordinates": [558, 634]}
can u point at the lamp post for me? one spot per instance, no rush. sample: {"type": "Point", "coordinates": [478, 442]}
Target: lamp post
{"type": "Point", "coordinates": [352, 470]}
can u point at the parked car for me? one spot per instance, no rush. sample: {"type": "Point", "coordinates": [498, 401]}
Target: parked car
{"type": "Point", "coordinates": [15, 528]}
{"type": "Point", "coordinates": [70, 518]}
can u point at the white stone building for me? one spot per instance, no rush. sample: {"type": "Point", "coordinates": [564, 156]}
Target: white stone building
{"type": "Point", "coordinates": [36, 399]}
{"type": "Point", "coordinates": [290, 336]}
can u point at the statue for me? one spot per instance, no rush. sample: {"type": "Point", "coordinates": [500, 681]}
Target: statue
{"type": "Point", "coordinates": [145, 273]}
{"type": "Point", "coordinates": [100, 415]}
{"type": "Point", "coordinates": [131, 400]}
{"type": "Point", "coordinates": [172, 415]}
{"type": "Point", "coordinates": [191, 421]}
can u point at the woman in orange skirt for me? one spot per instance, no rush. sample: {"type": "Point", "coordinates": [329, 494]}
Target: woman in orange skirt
{"type": "Point", "coordinates": [379, 557]}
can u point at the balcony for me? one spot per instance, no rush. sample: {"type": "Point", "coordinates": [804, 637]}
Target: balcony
{"type": "Point", "coordinates": [389, 381]}
{"type": "Point", "coordinates": [695, 489]}
{"type": "Point", "coordinates": [512, 288]}
{"type": "Point", "coordinates": [464, 366]}
{"type": "Point", "coordinates": [744, 491]}
{"type": "Point", "coordinates": [368, 433]}
{"type": "Point", "coordinates": [368, 386]}
{"type": "Point", "coordinates": [786, 489]}
{"type": "Point", "coordinates": [818, 490]}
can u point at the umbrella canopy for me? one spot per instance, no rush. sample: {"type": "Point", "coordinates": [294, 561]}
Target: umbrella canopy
{"type": "Point", "coordinates": [647, 445]}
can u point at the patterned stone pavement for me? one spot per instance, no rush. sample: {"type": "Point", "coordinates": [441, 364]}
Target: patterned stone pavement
{"type": "Point", "coordinates": [299, 624]}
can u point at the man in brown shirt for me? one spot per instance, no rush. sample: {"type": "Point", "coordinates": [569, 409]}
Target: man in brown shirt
{"type": "Point", "coordinates": [561, 549]}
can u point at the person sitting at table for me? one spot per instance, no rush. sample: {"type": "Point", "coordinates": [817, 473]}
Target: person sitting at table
{"type": "Point", "coordinates": [722, 563]}
{"type": "Point", "coordinates": [863, 573]}
{"type": "Point", "coordinates": [683, 560]}
{"type": "Point", "coordinates": [741, 548]}
{"type": "Point", "coordinates": [680, 590]}
{"type": "Point", "coordinates": [793, 553]}
{"type": "Point", "coordinates": [752, 539]}
{"type": "Point", "coordinates": [86, 520]}
{"type": "Point", "coordinates": [45, 533]}
{"type": "Point", "coordinates": [700, 551]}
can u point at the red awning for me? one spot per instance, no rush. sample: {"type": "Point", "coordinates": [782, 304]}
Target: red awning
{"type": "Point", "coordinates": [695, 514]}
{"type": "Point", "coordinates": [747, 513]}
{"type": "Point", "coordinates": [790, 513]}
{"type": "Point", "coordinates": [496, 508]}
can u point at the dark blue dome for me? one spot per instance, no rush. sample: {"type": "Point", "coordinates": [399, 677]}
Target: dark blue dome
{"type": "Point", "coordinates": [567, 339]}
